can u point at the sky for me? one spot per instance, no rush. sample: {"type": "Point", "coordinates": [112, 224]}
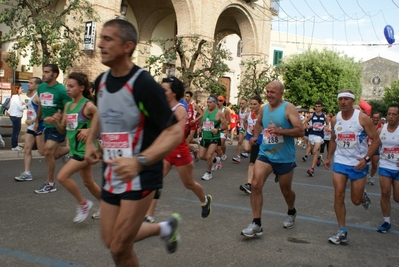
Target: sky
{"type": "Point", "coordinates": [355, 27]}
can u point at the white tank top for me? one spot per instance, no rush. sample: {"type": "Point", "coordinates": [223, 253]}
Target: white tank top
{"type": "Point", "coordinates": [242, 117]}
{"type": "Point", "coordinates": [389, 152]}
{"type": "Point", "coordinates": [251, 123]}
{"type": "Point", "coordinates": [351, 140]}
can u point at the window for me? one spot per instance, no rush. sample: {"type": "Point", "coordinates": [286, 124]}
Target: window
{"type": "Point", "coordinates": [277, 57]}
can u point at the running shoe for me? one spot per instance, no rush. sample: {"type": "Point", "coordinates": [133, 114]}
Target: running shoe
{"type": "Point", "coordinates": [24, 177]}
{"type": "Point", "coordinates": [304, 158]}
{"type": "Point", "coordinates": [252, 230]}
{"type": "Point", "coordinates": [46, 188]}
{"type": "Point", "coordinates": [2, 143]}
{"type": "Point", "coordinates": [224, 157]}
{"type": "Point", "coordinates": [172, 241]}
{"type": "Point", "coordinates": [207, 176]}
{"type": "Point", "coordinates": [17, 148]}
{"type": "Point", "coordinates": [366, 201]}
{"type": "Point", "coordinates": [246, 188]}
{"type": "Point", "coordinates": [311, 172]}
{"type": "Point", "coordinates": [244, 154]}
{"type": "Point", "coordinates": [215, 163]}
{"type": "Point", "coordinates": [219, 166]}
{"type": "Point", "coordinates": [276, 179]}
{"type": "Point", "coordinates": [236, 159]}
{"type": "Point", "coordinates": [289, 222]}
{"type": "Point", "coordinates": [149, 219]}
{"type": "Point", "coordinates": [206, 208]}
{"type": "Point", "coordinates": [318, 162]}
{"type": "Point", "coordinates": [82, 211]}
{"type": "Point", "coordinates": [340, 237]}
{"type": "Point", "coordinates": [370, 180]}
{"type": "Point", "coordinates": [384, 227]}
{"type": "Point", "coordinates": [96, 215]}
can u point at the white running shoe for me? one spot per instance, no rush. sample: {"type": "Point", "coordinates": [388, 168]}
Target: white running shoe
{"type": "Point", "coordinates": [224, 157]}
{"type": "Point", "coordinates": [83, 211]}
{"type": "Point", "coordinates": [96, 215]}
{"type": "Point", "coordinates": [17, 148]}
{"type": "Point", "coordinates": [207, 176]}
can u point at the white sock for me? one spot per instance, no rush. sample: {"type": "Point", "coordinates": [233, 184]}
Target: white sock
{"type": "Point", "coordinates": [28, 172]}
{"type": "Point", "coordinates": [166, 229]}
{"type": "Point", "coordinates": [387, 219]}
{"type": "Point", "coordinates": [206, 200]}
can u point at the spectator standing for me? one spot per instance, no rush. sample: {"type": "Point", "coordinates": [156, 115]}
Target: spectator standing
{"type": "Point", "coordinates": [16, 110]}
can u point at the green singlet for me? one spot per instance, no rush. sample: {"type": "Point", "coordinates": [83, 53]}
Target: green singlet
{"type": "Point", "coordinates": [209, 122]}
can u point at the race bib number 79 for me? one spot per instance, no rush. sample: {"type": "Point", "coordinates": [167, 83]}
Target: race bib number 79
{"type": "Point", "coordinates": [116, 145]}
{"type": "Point", "coordinates": [346, 140]}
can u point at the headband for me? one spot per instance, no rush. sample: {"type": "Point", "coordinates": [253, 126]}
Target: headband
{"type": "Point", "coordinates": [346, 94]}
{"type": "Point", "coordinates": [213, 99]}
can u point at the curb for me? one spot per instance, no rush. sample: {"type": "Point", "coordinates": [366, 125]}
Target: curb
{"type": "Point", "coordinates": [10, 155]}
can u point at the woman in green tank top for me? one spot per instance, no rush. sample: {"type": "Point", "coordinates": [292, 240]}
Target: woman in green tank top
{"type": "Point", "coordinates": [75, 122]}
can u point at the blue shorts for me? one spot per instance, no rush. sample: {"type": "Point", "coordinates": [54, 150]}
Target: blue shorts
{"type": "Point", "coordinates": [53, 134]}
{"type": "Point", "coordinates": [248, 136]}
{"type": "Point", "coordinates": [350, 171]}
{"type": "Point", "coordinates": [393, 174]}
{"type": "Point", "coordinates": [278, 168]}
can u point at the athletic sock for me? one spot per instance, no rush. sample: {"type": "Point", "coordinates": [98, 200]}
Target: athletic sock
{"type": "Point", "coordinates": [343, 229]}
{"type": "Point", "coordinates": [257, 221]}
{"type": "Point", "coordinates": [165, 230]}
{"type": "Point", "coordinates": [28, 172]}
{"type": "Point", "coordinates": [292, 212]}
{"type": "Point", "coordinates": [387, 219]}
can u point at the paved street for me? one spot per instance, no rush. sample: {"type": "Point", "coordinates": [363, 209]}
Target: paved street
{"type": "Point", "coordinates": [37, 230]}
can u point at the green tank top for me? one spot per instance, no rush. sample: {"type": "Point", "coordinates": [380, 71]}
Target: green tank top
{"type": "Point", "coordinates": [75, 120]}
{"type": "Point", "coordinates": [209, 122]}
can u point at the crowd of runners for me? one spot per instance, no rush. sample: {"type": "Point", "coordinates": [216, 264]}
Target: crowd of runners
{"type": "Point", "coordinates": [139, 129]}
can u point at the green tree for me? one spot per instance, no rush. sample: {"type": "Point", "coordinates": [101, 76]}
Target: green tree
{"type": "Point", "coordinates": [378, 105]}
{"type": "Point", "coordinates": [202, 62]}
{"type": "Point", "coordinates": [41, 32]}
{"type": "Point", "coordinates": [320, 75]}
{"type": "Point", "coordinates": [254, 78]}
{"type": "Point", "coordinates": [391, 95]}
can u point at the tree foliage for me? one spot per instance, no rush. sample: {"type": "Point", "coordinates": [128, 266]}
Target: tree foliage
{"type": "Point", "coordinates": [320, 75]}
{"type": "Point", "coordinates": [202, 62]}
{"type": "Point", "coordinates": [254, 78]}
{"type": "Point", "coordinates": [391, 95]}
{"type": "Point", "coordinates": [42, 33]}
{"type": "Point", "coordinates": [378, 105]}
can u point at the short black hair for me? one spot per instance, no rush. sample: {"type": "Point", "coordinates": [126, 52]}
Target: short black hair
{"type": "Point", "coordinates": [54, 68]}
{"type": "Point", "coordinates": [176, 86]}
{"type": "Point", "coordinates": [189, 93]}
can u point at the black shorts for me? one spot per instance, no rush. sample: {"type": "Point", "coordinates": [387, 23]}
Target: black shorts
{"type": "Point", "coordinates": [254, 153]}
{"type": "Point", "coordinates": [206, 143]}
{"type": "Point", "coordinates": [115, 199]}
{"type": "Point", "coordinates": [33, 132]}
{"type": "Point", "coordinates": [77, 158]}
{"type": "Point", "coordinates": [53, 134]}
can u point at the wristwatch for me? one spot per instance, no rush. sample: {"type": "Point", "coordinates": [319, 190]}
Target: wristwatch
{"type": "Point", "coordinates": [142, 160]}
{"type": "Point", "coordinates": [367, 159]}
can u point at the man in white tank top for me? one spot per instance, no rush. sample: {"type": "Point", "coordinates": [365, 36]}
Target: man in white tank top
{"type": "Point", "coordinates": [350, 129]}
{"type": "Point", "coordinates": [389, 165]}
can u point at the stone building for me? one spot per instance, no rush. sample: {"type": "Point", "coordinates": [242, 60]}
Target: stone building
{"type": "Point", "coordinates": [378, 73]}
{"type": "Point", "coordinates": [209, 19]}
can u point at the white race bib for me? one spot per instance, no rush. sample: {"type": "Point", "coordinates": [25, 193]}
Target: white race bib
{"type": "Point", "coordinates": [208, 125]}
{"type": "Point", "coordinates": [46, 99]}
{"type": "Point", "coordinates": [318, 126]}
{"type": "Point", "coordinates": [270, 139]}
{"type": "Point", "coordinates": [116, 145]}
{"type": "Point", "coordinates": [71, 121]}
{"type": "Point", "coordinates": [346, 140]}
{"type": "Point", "coordinates": [390, 152]}
{"type": "Point", "coordinates": [30, 114]}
